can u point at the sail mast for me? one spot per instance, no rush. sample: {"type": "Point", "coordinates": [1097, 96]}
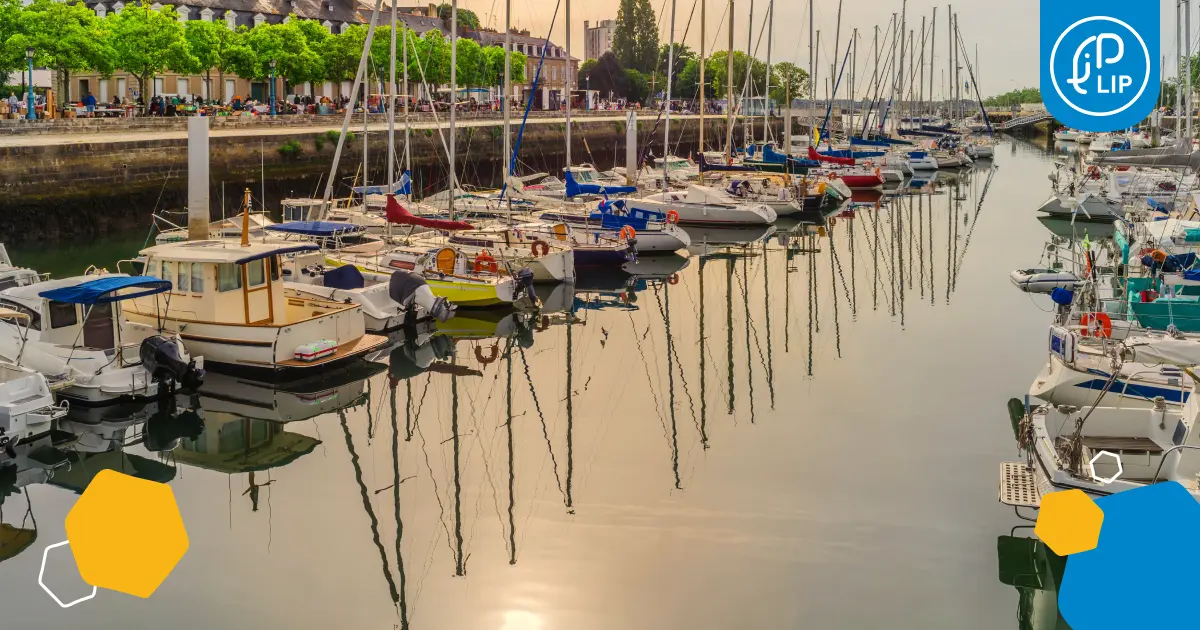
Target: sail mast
{"type": "Point", "coordinates": [748, 121]}
{"type": "Point", "coordinates": [391, 106]}
{"type": "Point", "coordinates": [703, 44]}
{"type": "Point", "coordinates": [453, 104]}
{"type": "Point", "coordinates": [767, 90]}
{"type": "Point", "coordinates": [932, 54]}
{"type": "Point", "coordinates": [507, 106]}
{"type": "Point", "coordinates": [729, 88]}
{"type": "Point", "coordinates": [670, 71]}
{"type": "Point", "coordinates": [567, 91]}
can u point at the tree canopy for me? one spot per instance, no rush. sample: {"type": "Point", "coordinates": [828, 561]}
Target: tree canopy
{"type": "Point", "coordinates": [1015, 97]}
{"type": "Point", "coordinates": [65, 37]}
{"type": "Point", "coordinates": [635, 40]}
{"type": "Point", "coordinates": [466, 17]}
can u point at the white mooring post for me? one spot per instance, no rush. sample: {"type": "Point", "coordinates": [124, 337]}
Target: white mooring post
{"type": "Point", "coordinates": [631, 158]}
{"type": "Point", "coordinates": [198, 204]}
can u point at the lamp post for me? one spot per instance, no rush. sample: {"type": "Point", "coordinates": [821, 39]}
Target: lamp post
{"type": "Point", "coordinates": [272, 87]}
{"type": "Point", "coordinates": [30, 114]}
{"type": "Point", "coordinates": [587, 98]}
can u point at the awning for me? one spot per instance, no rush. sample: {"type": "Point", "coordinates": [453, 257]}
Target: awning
{"type": "Point", "coordinates": [324, 229]}
{"type": "Point", "coordinates": [309, 247]}
{"type": "Point", "coordinates": [1180, 352]}
{"type": "Point", "coordinates": [104, 290]}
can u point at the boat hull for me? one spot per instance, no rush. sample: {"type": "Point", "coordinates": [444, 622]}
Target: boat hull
{"type": "Point", "coordinates": [712, 215]}
{"type": "Point", "coordinates": [1079, 386]}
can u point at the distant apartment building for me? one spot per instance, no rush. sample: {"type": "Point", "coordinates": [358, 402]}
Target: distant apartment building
{"type": "Point", "coordinates": [555, 70]}
{"type": "Point", "coordinates": [598, 39]}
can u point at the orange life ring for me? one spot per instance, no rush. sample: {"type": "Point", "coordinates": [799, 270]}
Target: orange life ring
{"type": "Point", "coordinates": [674, 279]}
{"type": "Point", "coordinates": [542, 245]}
{"type": "Point", "coordinates": [672, 216]}
{"type": "Point", "coordinates": [485, 262]}
{"type": "Point", "coordinates": [1098, 323]}
{"type": "Point", "coordinates": [832, 176]}
{"type": "Point", "coordinates": [488, 359]}
{"type": "Point", "coordinates": [628, 233]}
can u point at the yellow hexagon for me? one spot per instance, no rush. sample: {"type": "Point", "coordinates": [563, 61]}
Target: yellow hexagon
{"type": "Point", "coordinates": [1069, 522]}
{"type": "Point", "coordinates": [126, 533]}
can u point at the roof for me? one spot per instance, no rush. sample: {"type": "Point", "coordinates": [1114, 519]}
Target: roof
{"type": "Point", "coordinates": [104, 289]}
{"type": "Point", "coordinates": [315, 228]}
{"type": "Point", "coordinates": [221, 251]}
{"type": "Point", "coordinates": [338, 11]}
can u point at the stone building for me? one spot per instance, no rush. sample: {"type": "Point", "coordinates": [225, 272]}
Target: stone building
{"type": "Point", "coordinates": [333, 14]}
{"type": "Point", "coordinates": [552, 86]}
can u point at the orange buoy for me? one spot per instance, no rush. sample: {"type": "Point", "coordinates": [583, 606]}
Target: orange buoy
{"type": "Point", "coordinates": [672, 216]}
{"type": "Point", "coordinates": [485, 263]}
{"type": "Point", "coordinates": [674, 279]}
{"type": "Point", "coordinates": [541, 246]}
{"type": "Point", "coordinates": [1096, 325]}
{"type": "Point", "coordinates": [628, 233]}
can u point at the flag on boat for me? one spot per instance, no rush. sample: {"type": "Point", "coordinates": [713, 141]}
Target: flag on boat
{"type": "Point", "coordinates": [397, 214]}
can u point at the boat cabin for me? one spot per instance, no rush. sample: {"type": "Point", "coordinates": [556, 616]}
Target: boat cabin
{"type": "Point", "coordinates": [223, 283]}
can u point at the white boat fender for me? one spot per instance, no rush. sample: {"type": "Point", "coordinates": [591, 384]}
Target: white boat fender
{"type": "Point", "coordinates": [315, 350]}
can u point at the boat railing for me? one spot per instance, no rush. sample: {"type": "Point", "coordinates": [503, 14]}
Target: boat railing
{"type": "Point", "coordinates": [1168, 452]}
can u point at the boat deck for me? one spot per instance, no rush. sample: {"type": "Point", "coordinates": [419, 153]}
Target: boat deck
{"type": "Point", "coordinates": [1140, 445]}
{"type": "Point", "coordinates": [362, 345]}
{"type": "Point", "coordinates": [1018, 486]}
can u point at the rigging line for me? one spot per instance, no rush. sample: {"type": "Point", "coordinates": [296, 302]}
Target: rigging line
{"type": "Point", "coordinates": [744, 282]}
{"type": "Point", "coordinates": [967, 243]}
{"type": "Point", "coordinates": [682, 374]}
{"type": "Point", "coordinates": [362, 488]}
{"type": "Point", "coordinates": [542, 418]}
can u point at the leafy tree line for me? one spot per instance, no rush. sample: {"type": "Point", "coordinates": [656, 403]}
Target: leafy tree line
{"type": "Point", "coordinates": [69, 38]}
{"type": "Point", "coordinates": [1015, 97]}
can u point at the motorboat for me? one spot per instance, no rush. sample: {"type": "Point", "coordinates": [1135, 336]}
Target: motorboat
{"type": "Point", "coordinates": [229, 305]}
{"type": "Point", "coordinates": [1066, 135]}
{"type": "Point", "coordinates": [655, 232]}
{"type": "Point", "coordinates": [550, 260]}
{"type": "Point", "coordinates": [13, 276]}
{"type": "Point", "coordinates": [27, 407]}
{"type": "Point", "coordinates": [1043, 280]}
{"type": "Point", "coordinates": [706, 205]}
{"type": "Point", "coordinates": [81, 334]}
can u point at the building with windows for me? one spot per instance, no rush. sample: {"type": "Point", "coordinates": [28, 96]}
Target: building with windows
{"type": "Point", "coordinates": [598, 39]}
{"type": "Point", "coordinates": [333, 14]}
{"type": "Point", "coordinates": [555, 68]}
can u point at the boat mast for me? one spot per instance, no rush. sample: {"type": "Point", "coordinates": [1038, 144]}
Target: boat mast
{"type": "Point", "coordinates": [703, 24]}
{"type": "Point", "coordinates": [812, 80]}
{"type": "Point", "coordinates": [932, 54]}
{"type": "Point", "coordinates": [921, 95]}
{"type": "Point", "coordinates": [853, 66]}
{"type": "Point", "coordinates": [950, 59]}
{"type": "Point", "coordinates": [729, 88]}
{"type": "Point", "coordinates": [568, 85]}
{"type": "Point", "coordinates": [670, 71]}
{"type": "Point", "coordinates": [767, 90]}
{"type": "Point", "coordinates": [900, 61]}
{"type": "Point", "coordinates": [407, 122]}
{"type": "Point", "coordinates": [507, 106]}
{"type": "Point", "coordinates": [453, 104]}
{"type": "Point", "coordinates": [1187, 38]}
{"type": "Point", "coordinates": [748, 86]}
{"type": "Point", "coordinates": [366, 107]}
{"type": "Point", "coordinates": [833, 59]}
{"type": "Point", "coordinates": [391, 106]}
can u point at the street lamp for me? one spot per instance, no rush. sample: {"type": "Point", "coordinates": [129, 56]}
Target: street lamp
{"type": "Point", "coordinates": [30, 114]}
{"type": "Point", "coordinates": [272, 87]}
{"type": "Point", "coordinates": [588, 97]}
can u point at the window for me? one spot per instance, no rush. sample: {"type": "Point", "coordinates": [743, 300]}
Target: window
{"type": "Point", "coordinates": [274, 267]}
{"type": "Point", "coordinates": [197, 278]}
{"type": "Point", "coordinates": [63, 315]}
{"type": "Point", "coordinates": [35, 318]}
{"type": "Point", "coordinates": [256, 273]}
{"type": "Point", "coordinates": [184, 282]}
{"type": "Point", "coordinates": [168, 272]}
{"type": "Point", "coordinates": [229, 277]}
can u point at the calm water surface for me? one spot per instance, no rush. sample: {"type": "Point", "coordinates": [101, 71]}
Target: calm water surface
{"type": "Point", "coordinates": [803, 432]}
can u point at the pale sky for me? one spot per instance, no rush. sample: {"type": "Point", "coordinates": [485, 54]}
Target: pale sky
{"type": "Point", "coordinates": [1006, 31]}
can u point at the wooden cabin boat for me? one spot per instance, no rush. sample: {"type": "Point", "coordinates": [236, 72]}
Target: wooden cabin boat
{"type": "Point", "coordinates": [229, 304]}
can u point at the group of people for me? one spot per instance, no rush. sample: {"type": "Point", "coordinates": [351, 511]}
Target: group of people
{"type": "Point", "coordinates": [20, 104]}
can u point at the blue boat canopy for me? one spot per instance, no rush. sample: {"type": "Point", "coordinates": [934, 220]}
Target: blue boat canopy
{"type": "Point", "coordinates": [575, 189]}
{"type": "Point", "coordinates": [104, 290]}
{"type": "Point", "coordinates": [402, 187]}
{"type": "Point", "coordinates": [324, 229]}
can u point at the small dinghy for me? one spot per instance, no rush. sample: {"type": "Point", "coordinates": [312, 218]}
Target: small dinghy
{"type": "Point", "coordinates": [1043, 280]}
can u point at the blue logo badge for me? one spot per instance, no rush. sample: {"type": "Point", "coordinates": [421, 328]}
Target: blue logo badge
{"type": "Point", "coordinates": [1100, 62]}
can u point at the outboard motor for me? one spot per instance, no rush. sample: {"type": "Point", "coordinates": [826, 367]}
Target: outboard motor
{"type": "Point", "coordinates": [409, 289]}
{"type": "Point", "coordinates": [164, 356]}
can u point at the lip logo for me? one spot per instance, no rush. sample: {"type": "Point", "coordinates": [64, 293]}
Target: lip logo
{"type": "Point", "coordinates": [1100, 69]}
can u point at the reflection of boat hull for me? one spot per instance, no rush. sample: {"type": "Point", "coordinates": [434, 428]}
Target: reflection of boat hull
{"type": "Point", "coordinates": [292, 401]}
{"type": "Point", "coordinates": [657, 268]}
{"type": "Point", "coordinates": [1027, 565]}
{"type": "Point", "coordinates": [706, 237]}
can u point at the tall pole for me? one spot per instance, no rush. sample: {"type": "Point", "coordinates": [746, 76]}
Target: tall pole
{"type": "Point", "coordinates": [1179, 67]}
{"type": "Point", "coordinates": [391, 107]}
{"type": "Point", "coordinates": [950, 59]}
{"type": "Point", "coordinates": [833, 72]}
{"type": "Point", "coordinates": [1187, 66]}
{"type": "Point", "coordinates": [454, 104]}
{"type": "Point", "coordinates": [30, 113]}
{"type": "Point", "coordinates": [853, 67]}
{"type": "Point", "coordinates": [874, 82]}
{"type": "Point", "coordinates": [366, 105]}
{"type": "Point", "coordinates": [932, 51]}
{"type": "Point", "coordinates": [407, 125]}
{"type": "Point", "coordinates": [921, 95]}
{"type": "Point", "coordinates": [747, 119]}
{"type": "Point", "coordinates": [569, 83]}
{"type": "Point", "coordinates": [812, 79]}
{"type": "Point", "coordinates": [912, 68]}
{"type": "Point", "coordinates": [729, 86]}
{"type": "Point", "coordinates": [505, 104]}
{"type": "Point", "coordinates": [900, 61]}
{"type": "Point", "coordinates": [667, 130]}
{"type": "Point", "coordinates": [767, 91]}
{"type": "Point", "coordinates": [703, 38]}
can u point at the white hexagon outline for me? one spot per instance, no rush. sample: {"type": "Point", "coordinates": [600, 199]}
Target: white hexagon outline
{"type": "Point", "coordinates": [42, 572]}
{"type": "Point", "coordinates": [1120, 468]}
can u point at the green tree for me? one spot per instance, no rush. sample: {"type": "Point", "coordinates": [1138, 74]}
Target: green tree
{"type": "Point", "coordinates": [637, 88]}
{"type": "Point", "coordinates": [788, 80]}
{"type": "Point", "coordinates": [432, 54]}
{"type": "Point", "coordinates": [12, 59]}
{"type": "Point", "coordinates": [1015, 97]}
{"type": "Point", "coordinates": [636, 38]}
{"type": "Point", "coordinates": [717, 72]}
{"type": "Point", "coordinates": [341, 54]}
{"type": "Point", "coordinates": [210, 44]}
{"type": "Point", "coordinates": [606, 76]}
{"type": "Point", "coordinates": [470, 64]}
{"type": "Point", "coordinates": [66, 37]}
{"type": "Point", "coordinates": [466, 17]}
{"type": "Point", "coordinates": [495, 59]}
{"type": "Point", "coordinates": [286, 45]}
{"type": "Point", "coordinates": [146, 42]}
